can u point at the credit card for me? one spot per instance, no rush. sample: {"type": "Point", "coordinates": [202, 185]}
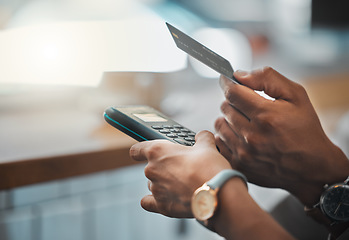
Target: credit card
{"type": "Point", "coordinates": [202, 53]}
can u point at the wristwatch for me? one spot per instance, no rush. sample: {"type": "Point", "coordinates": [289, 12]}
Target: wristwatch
{"type": "Point", "coordinates": [205, 201]}
{"type": "Point", "coordinates": [333, 208]}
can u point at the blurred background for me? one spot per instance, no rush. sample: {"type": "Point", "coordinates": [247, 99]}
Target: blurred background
{"type": "Point", "coordinates": [63, 62]}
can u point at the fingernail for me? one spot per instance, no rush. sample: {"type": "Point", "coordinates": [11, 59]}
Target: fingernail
{"type": "Point", "coordinates": [240, 73]}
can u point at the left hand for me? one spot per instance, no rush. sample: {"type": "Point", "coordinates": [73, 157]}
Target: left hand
{"type": "Point", "coordinates": [176, 171]}
{"type": "Point", "coordinates": [277, 143]}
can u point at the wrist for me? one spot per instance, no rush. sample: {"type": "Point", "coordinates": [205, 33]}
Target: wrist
{"type": "Point", "coordinates": [332, 210]}
{"type": "Point", "coordinates": [338, 166]}
{"type": "Point", "coordinates": [332, 167]}
{"type": "Point", "coordinates": [205, 200]}
{"type": "Point", "coordinates": [238, 213]}
{"type": "Point", "coordinates": [233, 194]}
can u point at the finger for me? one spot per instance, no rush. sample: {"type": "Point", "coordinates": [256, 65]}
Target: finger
{"type": "Point", "coordinates": [149, 185]}
{"type": "Point", "coordinates": [149, 203]}
{"type": "Point", "coordinates": [243, 98]}
{"type": "Point", "coordinates": [137, 151]}
{"type": "Point", "coordinates": [226, 133]}
{"type": "Point", "coordinates": [227, 141]}
{"type": "Point", "coordinates": [205, 139]}
{"type": "Point", "coordinates": [237, 120]}
{"type": "Point", "coordinates": [143, 151]}
{"type": "Point", "coordinates": [270, 81]}
{"type": "Point", "coordinates": [224, 150]}
{"type": "Point", "coordinates": [227, 152]}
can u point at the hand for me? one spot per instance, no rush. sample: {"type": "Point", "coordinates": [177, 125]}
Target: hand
{"type": "Point", "coordinates": [277, 143]}
{"type": "Point", "coordinates": [176, 171]}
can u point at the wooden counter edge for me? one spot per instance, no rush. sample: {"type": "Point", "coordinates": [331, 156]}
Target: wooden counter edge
{"type": "Point", "coordinates": [21, 173]}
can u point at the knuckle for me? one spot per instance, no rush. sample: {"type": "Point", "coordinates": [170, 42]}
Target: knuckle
{"type": "Point", "coordinates": [133, 152]}
{"type": "Point", "coordinates": [300, 90]}
{"type": "Point", "coordinates": [264, 72]}
{"type": "Point", "coordinates": [153, 151]}
{"type": "Point", "coordinates": [243, 155]}
{"type": "Point", "coordinates": [268, 70]}
{"type": "Point", "coordinates": [229, 94]}
{"type": "Point", "coordinates": [157, 192]}
{"type": "Point", "coordinates": [251, 140]}
{"type": "Point", "coordinates": [149, 171]}
{"type": "Point", "coordinates": [229, 138]}
{"type": "Point", "coordinates": [265, 121]}
{"type": "Point", "coordinates": [224, 106]}
{"type": "Point", "coordinates": [255, 143]}
{"type": "Point", "coordinates": [226, 109]}
{"type": "Point", "coordinates": [269, 122]}
{"type": "Point", "coordinates": [218, 124]}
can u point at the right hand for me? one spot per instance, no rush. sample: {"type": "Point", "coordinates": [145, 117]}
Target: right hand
{"type": "Point", "coordinates": [277, 143]}
{"type": "Point", "coordinates": [176, 171]}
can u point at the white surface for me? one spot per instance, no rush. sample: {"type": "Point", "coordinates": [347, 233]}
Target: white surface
{"type": "Point", "coordinates": [73, 42]}
{"type": "Point", "coordinates": [77, 53]}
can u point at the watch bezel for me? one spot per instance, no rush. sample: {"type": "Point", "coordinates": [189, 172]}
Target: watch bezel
{"type": "Point", "coordinates": [198, 214]}
{"type": "Point", "coordinates": [323, 198]}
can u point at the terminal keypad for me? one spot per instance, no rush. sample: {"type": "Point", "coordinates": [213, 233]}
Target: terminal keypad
{"type": "Point", "coordinates": [178, 133]}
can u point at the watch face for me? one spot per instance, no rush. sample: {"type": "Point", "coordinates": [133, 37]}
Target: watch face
{"type": "Point", "coordinates": [204, 204]}
{"type": "Point", "coordinates": [335, 202]}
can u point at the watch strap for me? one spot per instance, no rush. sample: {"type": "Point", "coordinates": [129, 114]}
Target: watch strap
{"type": "Point", "coordinates": [316, 214]}
{"type": "Point", "coordinates": [223, 176]}
{"type": "Point", "coordinates": [207, 224]}
{"type": "Point", "coordinates": [335, 228]}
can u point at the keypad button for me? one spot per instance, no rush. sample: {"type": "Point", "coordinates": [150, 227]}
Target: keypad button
{"type": "Point", "coordinates": [157, 127]}
{"type": "Point", "coordinates": [171, 135]}
{"type": "Point", "coordinates": [165, 131]}
{"type": "Point", "coordinates": [183, 142]}
{"type": "Point", "coordinates": [175, 130]}
{"type": "Point", "coordinates": [178, 133]}
{"type": "Point", "coordinates": [182, 135]}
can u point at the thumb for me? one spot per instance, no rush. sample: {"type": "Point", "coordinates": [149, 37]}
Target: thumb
{"type": "Point", "coordinates": [268, 80]}
{"type": "Point", "coordinates": [205, 139]}
{"type": "Point", "coordinates": [148, 203]}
